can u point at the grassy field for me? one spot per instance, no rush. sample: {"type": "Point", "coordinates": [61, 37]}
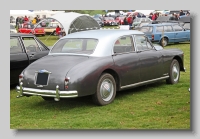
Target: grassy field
{"type": "Point", "coordinates": [155, 106]}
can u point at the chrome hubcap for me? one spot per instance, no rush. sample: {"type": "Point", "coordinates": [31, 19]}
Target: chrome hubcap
{"type": "Point", "coordinates": [175, 72]}
{"type": "Point", "coordinates": [106, 90]}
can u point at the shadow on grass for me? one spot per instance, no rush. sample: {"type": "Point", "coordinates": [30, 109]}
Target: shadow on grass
{"type": "Point", "coordinates": [83, 102]}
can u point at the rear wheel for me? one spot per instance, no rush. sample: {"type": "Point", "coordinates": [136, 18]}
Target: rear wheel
{"type": "Point", "coordinates": [174, 73]}
{"type": "Point", "coordinates": [106, 90]}
{"type": "Point", "coordinates": [164, 42]}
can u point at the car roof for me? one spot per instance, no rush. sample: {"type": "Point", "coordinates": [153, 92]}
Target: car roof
{"type": "Point", "coordinates": [105, 37]}
{"type": "Point", "coordinates": [161, 24]}
{"type": "Point", "coordinates": [102, 33]}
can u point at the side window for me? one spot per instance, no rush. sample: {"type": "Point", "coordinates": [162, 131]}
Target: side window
{"type": "Point", "coordinates": [159, 29]}
{"type": "Point", "coordinates": [142, 43]}
{"type": "Point", "coordinates": [41, 46]}
{"type": "Point", "coordinates": [123, 44]}
{"type": "Point", "coordinates": [30, 44]}
{"type": "Point", "coordinates": [177, 28]}
{"type": "Point", "coordinates": [15, 46]}
{"type": "Point", "coordinates": [168, 28]}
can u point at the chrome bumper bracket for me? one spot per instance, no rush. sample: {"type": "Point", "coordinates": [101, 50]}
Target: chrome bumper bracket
{"type": "Point", "coordinates": [56, 94]}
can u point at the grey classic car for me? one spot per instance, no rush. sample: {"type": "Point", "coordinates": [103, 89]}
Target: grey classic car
{"type": "Point", "coordinates": [99, 63]}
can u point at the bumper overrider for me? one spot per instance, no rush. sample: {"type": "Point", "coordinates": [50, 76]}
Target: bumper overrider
{"type": "Point", "coordinates": [56, 94]}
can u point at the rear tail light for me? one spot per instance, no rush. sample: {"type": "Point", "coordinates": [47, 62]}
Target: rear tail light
{"type": "Point", "coordinates": [21, 78]}
{"type": "Point", "coordinates": [152, 37]}
{"type": "Point", "coordinates": [66, 82]}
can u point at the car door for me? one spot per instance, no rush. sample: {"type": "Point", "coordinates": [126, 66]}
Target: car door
{"type": "Point", "coordinates": [18, 59]}
{"type": "Point", "coordinates": [126, 61]}
{"type": "Point", "coordinates": [180, 34]}
{"type": "Point", "coordinates": [151, 60]}
{"type": "Point", "coordinates": [169, 33]}
{"type": "Point", "coordinates": [34, 48]}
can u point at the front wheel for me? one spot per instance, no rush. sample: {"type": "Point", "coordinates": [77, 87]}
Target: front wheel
{"type": "Point", "coordinates": [106, 90]}
{"type": "Point", "coordinates": [174, 73]}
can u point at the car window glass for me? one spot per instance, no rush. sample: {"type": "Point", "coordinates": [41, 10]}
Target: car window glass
{"type": "Point", "coordinates": [123, 44]}
{"type": "Point", "coordinates": [177, 28]}
{"type": "Point", "coordinates": [76, 46]}
{"type": "Point", "coordinates": [41, 46]}
{"type": "Point", "coordinates": [159, 29]}
{"type": "Point", "coordinates": [146, 29]}
{"type": "Point", "coordinates": [30, 44]}
{"type": "Point", "coordinates": [15, 46]}
{"type": "Point", "coordinates": [141, 43]}
{"type": "Point", "coordinates": [168, 29]}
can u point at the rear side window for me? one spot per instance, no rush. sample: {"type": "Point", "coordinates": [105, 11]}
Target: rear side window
{"type": "Point", "coordinates": [123, 44]}
{"type": "Point", "coordinates": [146, 29]}
{"type": "Point", "coordinates": [168, 28]}
{"type": "Point", "coordinates": [159, 29]}
{"type": "Point", "coordinates": [177, 28]}
{"type": "Point", "coordinates": [30, 44]}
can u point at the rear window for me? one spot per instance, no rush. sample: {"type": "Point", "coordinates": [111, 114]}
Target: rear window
{"type": "Point", "coordinates": [75, 46]}
{"type": "Point", "coordinates": [146, 29]}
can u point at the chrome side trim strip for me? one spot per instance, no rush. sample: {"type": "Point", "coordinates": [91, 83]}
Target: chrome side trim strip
{"type": "Point", "coordinates": [140, 83]}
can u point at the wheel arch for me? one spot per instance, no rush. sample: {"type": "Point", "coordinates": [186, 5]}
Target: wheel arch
{"type": "Point", "coordinates": [115, 76]}
{"type": "Point", "coordinates": [164, 37]}
{"type": "Point", "coordinates": [180, 62]}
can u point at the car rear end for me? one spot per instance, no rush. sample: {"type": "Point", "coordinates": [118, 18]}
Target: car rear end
{"type": "Point", "coordinates": [148, 31]}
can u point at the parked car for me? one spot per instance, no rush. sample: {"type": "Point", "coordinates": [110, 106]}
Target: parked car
{"type": "Point", "coordinates": [109, 21]}
{"type": "Point", "coordinates": [166, 33]}
{"type": "Point", "coordinates": [29, 28]}
{"type": "Point", "coordinates": [141, 24]}
{"type": "Point", "coordinates": [120, 20]}
{"type": "Point", "coordinates": [137, 20]}
{"type": "Point", "coordinates": [99, 21]}
{"type": "Point", "coordinates": [24, 49]}
{"type": "Point", "coordinates": [51, 28]}
{"type": "Point", "coordinates": [186, 22]}
{"type": "Point", "coordinates": [12, 28]}
{"type": "Point", "coordinates": [99, 63]}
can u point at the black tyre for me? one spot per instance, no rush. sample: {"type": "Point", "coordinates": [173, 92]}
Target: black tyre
{"type": "Point", "coordinates": [106, 90]}
{"type": "Point", "coordinates": [48, 98]}
{"type": "Point", "coordinates": [174, 73]}
{"type": "Point", "coordinates": [164, 42]}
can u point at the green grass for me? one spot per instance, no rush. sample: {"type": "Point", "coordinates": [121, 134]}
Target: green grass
{"type": "Point", "coordinates": [155, 106]}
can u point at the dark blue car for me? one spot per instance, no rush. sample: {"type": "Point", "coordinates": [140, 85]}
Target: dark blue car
{"type": "Point", "coordinates": [166, 33]}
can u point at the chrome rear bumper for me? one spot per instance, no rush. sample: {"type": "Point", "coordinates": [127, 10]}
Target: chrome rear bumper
{"type": "Point", "coordinates": [56, 94]}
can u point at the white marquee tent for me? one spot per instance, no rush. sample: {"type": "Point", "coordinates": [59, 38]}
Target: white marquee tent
{"type": "Point", "coordinates": [74, 22]}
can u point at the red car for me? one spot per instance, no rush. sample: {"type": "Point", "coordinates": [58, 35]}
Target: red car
{"type": "Point", "coordinates": [120, 20]}
{"type": "Point", "coordinates": [109, 21]}
{"type": "Point", "coordinates": [29, 28]}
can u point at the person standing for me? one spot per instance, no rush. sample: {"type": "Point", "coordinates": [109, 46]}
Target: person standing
{"type": "Point", "coordinates": [26, 19]}
{"type": "Point", "coordinates": [130, 21]}
{"type": "Point", "coordinates": [125, 20]}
